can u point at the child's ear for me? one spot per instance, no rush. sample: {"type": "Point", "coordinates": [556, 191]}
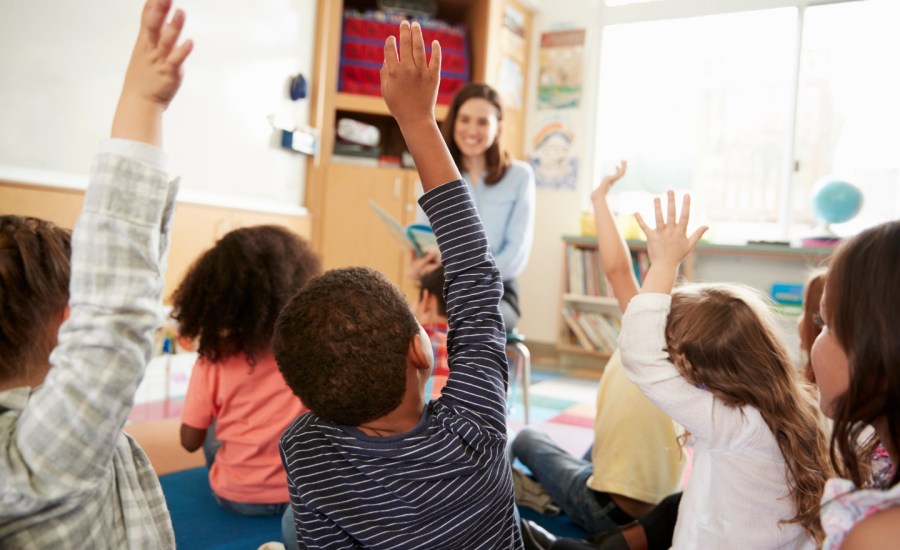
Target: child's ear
{"type": "Point", "coordinates": [421, 350]}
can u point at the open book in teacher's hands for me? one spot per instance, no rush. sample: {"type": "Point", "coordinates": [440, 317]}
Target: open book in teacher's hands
{"type": "Point", "coordinates": [420, 238]}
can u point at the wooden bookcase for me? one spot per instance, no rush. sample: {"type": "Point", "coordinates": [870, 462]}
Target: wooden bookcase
{"type": "Point", "coordinates": [584, 287]}
{"type": "Point", "coordinates": [346, 231]}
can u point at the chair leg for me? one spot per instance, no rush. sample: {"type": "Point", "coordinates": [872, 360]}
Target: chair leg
{"type": "Point", "coordinates": [523, 374]}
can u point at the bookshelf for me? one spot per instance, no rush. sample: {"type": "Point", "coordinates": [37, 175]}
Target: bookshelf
{"type": "Point", "coordinates": [586, 297]}
{"type": "Point", "coordinates": [590, 315]}
{"type": "Point", "coordinates": [345, 229]}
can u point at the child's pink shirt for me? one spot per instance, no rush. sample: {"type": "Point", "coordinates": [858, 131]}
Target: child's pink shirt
{"type": "Point", "coordinates": [251, 409]}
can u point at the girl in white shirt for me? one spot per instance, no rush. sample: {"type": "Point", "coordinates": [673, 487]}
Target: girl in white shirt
{"type": "Point", "coordinates": [710, 357]}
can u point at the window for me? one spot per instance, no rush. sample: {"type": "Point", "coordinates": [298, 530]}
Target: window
{"type": "Point", "coordinates": [728, 107]}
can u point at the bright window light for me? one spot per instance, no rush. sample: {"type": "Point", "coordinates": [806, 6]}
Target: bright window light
{"type": "Point", "coordinates": [722, 106]}
{"type": "Point", "coordinates": [848, 109]}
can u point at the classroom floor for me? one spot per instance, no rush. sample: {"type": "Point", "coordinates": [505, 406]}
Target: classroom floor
{"type": "Point", "coordinates": [562, 404]}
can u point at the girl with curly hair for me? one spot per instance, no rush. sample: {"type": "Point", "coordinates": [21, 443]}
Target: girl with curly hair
{"type": "Point", "coordinates": [228, 302]}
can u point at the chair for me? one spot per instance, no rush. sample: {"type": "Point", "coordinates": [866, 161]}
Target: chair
{"type": "Point", "coordinates": [520, 361]}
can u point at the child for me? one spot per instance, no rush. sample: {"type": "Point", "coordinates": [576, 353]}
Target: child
{"type": "Point", "coordinates": [857, 366]}
{"type": "Point", "coordinates": [809, 324]}
{"type": "Point", "coordinates": [229, 300]}
{"type": "Point", "coordinates": [431, 312]}
{"type": "Point", "coordinates": [69, 477]}
{"type": "Point", "coordinates": [372, 466]}
{"type": "Point", "coordinates": [710, 357]}
{"type": "Point", "coordinates": [635, 460]}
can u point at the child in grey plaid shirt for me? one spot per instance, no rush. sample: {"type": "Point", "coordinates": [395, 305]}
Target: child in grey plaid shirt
{"type": "Point", "coordinates": [72, 352]}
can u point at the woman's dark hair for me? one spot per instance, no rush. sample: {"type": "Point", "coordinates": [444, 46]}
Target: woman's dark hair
{"type": "Point", "coordinates": [233, 293]}
{"type": "Point", "coordinates": [496, 160]}
{"type": "Point", "coordinates": [341, 344]}
{"type": "Point", "coordinates": [35, 266]}
{"type": "Point", "coordinates": [862, 305]}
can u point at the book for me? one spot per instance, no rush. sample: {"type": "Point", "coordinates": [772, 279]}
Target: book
{"type": "Point", "coordinates": [420, 238]}
{"type": "Point", "coordinates": [580, 336]}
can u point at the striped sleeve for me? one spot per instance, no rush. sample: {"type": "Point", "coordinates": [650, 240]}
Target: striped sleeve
{"type": "Point", "coordinates": [476, 341]}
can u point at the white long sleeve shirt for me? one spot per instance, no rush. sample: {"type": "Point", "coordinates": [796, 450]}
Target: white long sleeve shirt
{"type": "Point", "coordinates": [737, 493]}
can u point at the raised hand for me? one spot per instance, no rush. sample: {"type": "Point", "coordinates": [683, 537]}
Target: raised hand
{"type": "Point", "coordinates": [154, 74]}
{"type": "Point", "coordinates": [601, 191]}
{"type": "Point", "coordinates": [421, 266]}
{"type": "Point", "coordinates": [668, 243]}
{"type": "Point", "coordinates": [409, 83]}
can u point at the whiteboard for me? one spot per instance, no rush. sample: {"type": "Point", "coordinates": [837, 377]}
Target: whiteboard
{"type": "Point", "coordinates": [61, 69]}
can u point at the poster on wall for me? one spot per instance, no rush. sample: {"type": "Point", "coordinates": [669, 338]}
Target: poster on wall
{"type": "Point", "coordinates": [559, 69]}
{"type": "Point", "coordinates": [511, 82]}
{"type": "Point", "coordinates": [553, 156]}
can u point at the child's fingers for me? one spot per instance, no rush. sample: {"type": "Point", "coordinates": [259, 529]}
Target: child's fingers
{"type": "Point", "coordinates": [685, 211]}
{"type": "Point", "coordinates": [641, 224]}
{"type": "Point", "coordinates": [170, 34]}
{"type": "Point", "coordinates": [179, 54]}
{"type": "Point", "coordinates": [418, 45]}
{"type": "Point", "coordinates": [153, 18]}
{"type": "Point", "coordinates": [695, 237]}
{"type": "Point", "coordinates": [657, 207]}
{"type": "Point", "coordinates": [435, 65]}
{"type": "Point", "coordinates": [390, 52]}
{"type": "Point", "coordinates": [670, 206]}
{"type": "Point", "coordinates": [405, 43]}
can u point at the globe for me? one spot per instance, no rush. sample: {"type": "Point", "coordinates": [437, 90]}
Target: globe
{"type": "Point", "coordinates": [836, 201]}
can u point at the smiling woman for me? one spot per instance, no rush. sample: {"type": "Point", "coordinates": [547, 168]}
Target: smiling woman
{"type": "Point", "coordinates": [503, 188]}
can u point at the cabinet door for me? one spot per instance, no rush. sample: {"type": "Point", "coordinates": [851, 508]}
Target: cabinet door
{"type": "Point", "coordinates": [352, 233]}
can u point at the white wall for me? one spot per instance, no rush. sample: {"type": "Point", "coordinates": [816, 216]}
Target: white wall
{"type": "Point", "coordinates": [558, 211]}
{"type": "Point", "coordinates": [61, 69]}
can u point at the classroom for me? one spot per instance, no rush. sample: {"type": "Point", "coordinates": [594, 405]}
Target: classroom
{"type": "Point", "coordinates": [770, 126]}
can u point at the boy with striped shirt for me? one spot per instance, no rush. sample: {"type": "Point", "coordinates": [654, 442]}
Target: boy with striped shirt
{"type": "Point", "coordinates": [372, 466]}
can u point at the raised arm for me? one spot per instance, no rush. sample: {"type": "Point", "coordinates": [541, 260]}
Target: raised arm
{"type": "Point", "coordinates": [614, 253]}
{"type": "Point", "coordinates": [68, 431]}
{"type": "Point", "coordinates": [667, 244]}
{"type": "Point", "coordinates": [409, 85]}
{"type": "Point", "coordinates": [154, 75]}
{"type": "Point", "coordinates": [476, 340]}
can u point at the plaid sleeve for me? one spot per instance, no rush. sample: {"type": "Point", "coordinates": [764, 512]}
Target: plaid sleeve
{"type": "Point", "coordinates": [68, 431]}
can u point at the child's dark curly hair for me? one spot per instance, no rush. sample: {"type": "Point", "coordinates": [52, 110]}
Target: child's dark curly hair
{"type": "Point", "coordinates": [232, 295]}
{"type": "Point", "coordinates": [341, 344]}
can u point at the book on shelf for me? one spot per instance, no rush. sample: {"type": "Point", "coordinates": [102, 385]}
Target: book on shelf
{"type": "Point", "coordinates": [593, 330]}
{"type": "Point", "coordinates": [570, 316]}
{"type": "Point", "coordinates": [640, 262]}
{"type": "Point", "coordinates": [420, 238]}
{"type": "Point", "coordinates": [589, 323]}
{"type": "Point", "coordinates": [585, 274]}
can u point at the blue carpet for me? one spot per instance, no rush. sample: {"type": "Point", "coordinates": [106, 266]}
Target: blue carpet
{"type": "Point", "coordinates": [201, 524]}
{"type": "Point", "coordinates": [560, 525]}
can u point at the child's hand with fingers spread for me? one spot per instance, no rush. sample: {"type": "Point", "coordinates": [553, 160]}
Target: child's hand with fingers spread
{"type": "Point", "coordinates": [154, 72]}
{"type": "Point", "coordinates": [409, 83]}
{"type": "Point", "coordinates": [668, 243]}
{"type": "Point", "coordinates": [601, 191]}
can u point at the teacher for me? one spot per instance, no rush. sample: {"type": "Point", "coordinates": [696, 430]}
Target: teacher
{"type": "Point", "coordinates": [502, 188]}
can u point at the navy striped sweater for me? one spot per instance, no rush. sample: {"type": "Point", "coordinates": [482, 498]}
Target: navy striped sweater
{"type": "Point", "coordinates": [446, 483]}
